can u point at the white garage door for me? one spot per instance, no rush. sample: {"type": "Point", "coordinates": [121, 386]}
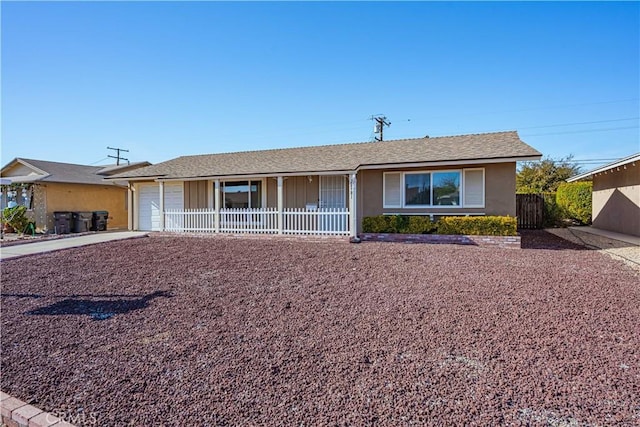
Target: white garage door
{"type": "Point", "coordinates": [149, 211]}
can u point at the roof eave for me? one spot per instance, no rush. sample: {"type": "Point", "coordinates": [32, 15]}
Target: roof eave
{"type": "Point", "coordinates": [625, 161]}
{"type": "Point", "coordinates": [452, 162]}
{"type": "Point", "coordinates": [259, 175]}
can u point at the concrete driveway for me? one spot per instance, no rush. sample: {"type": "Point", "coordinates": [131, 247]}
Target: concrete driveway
{"type": "Point", "coordinates": [69, 242]}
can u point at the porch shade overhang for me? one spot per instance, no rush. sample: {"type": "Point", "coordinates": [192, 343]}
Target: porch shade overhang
{"type": "Point", "coordinates": [342, 158]}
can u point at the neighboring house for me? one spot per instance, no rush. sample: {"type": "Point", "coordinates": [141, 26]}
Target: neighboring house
{"type": "Point", "coordinates": [46, 187]}
{"type": "Point", "coordinates": [328, 189]}
{"type": "Point", "coordinates": [616, 195]}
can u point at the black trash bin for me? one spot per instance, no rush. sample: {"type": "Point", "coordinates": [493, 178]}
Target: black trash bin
{"type": "Point", "coordinates": [82, 221]}
{"type": "Point", "coordinates": [100, 220]}
{"type": "Point", "coordinates": [63, 222]}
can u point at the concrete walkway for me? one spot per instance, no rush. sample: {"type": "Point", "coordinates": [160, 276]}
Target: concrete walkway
{"type": "Point", "coordinates": [623, 247]}
{"type": "Point", "coordinates": [627, 238]}
{"type": "Point", "coordinates": [70, 242]}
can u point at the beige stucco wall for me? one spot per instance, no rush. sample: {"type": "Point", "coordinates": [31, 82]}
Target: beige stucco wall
{"type": "Point", "coordinates": [616, 200]}
{"type": "Point", "coordinates": [84, 197]}
{"type": "Point", "coordinates": [297, 191]}
{"type": "Point", "coordinates": [196, 194]}
{"type": "Point", "coordinates": [500, 192]}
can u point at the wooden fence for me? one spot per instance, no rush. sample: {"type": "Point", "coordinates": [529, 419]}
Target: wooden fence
{"type": "Point", "coordinates": [530, 210]}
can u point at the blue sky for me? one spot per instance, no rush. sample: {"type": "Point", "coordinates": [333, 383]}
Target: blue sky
{"type": "Point", "coordinates": [169, 79]}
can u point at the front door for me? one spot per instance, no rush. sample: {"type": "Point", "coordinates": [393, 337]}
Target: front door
{"type": "Point", "coordinates": [333, 191]}
{"type": "Point", "coordinates": [333, 196]}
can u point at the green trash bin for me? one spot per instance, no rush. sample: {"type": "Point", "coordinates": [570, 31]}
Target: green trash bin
{"type": "Point", "coordinates": [82, 221]}
{"type": "Point", "coordinates": [63, 222]}
{"type": "Point", "coordinates": [100, 220]}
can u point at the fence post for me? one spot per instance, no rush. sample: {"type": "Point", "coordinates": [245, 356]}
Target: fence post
{"type": "Point", "coordinates": [280, 203]}
{"type": "Point", "coordinates": [216, 212]}
{"type": "Point", "coordinates": [161, 208]}
{"type": "Point", "coordinates": [353, 185]}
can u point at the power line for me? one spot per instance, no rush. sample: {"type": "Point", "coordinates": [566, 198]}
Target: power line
{"type": "Point", "coordinates": [548, 107]}
{"type": "Point", "coordinates": [582, 131]}
{"type": "Point", "coordinates": [101, 160]}
{"type": "Point", "coordinates": [580, 123]}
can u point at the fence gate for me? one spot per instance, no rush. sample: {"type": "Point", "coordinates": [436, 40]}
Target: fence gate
{"type": "Point", "coordinates": [530, 210]}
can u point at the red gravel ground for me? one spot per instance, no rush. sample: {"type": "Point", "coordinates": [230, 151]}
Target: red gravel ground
{"type": "Point", "coordinates": [232, 331]}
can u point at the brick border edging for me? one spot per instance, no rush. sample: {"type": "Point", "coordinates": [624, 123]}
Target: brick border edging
{"type": "Point", "coordinates": [16, 413]}
{"type": "Point", "coordinates": [506, 242]}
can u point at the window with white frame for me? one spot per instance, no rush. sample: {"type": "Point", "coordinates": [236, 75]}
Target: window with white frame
{"type": "Point", "coordinates": [453, 188]}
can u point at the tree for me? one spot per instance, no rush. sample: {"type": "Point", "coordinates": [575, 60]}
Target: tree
{"type": "Point", "coordinates": [544, 176]}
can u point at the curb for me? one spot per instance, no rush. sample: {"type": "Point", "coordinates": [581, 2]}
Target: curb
{"type": "Point", "coordinates": [16, 413]}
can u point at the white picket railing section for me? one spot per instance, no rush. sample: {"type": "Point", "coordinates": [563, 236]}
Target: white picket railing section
{"type": "Point", "coordinates": [325, 221]}
{"type": "Point", "coordinates": [249, 220]}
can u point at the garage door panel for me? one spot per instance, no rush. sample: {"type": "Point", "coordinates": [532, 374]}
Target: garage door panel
{"type": "Point", "coordinates": [149, 210]}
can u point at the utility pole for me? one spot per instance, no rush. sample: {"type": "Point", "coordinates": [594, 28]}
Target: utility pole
{"type": "Point", "coordinates": [378, 128]}
{"type": "Point", "coordinates": [117, 156]}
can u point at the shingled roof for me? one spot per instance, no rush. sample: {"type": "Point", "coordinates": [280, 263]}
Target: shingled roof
{"type": "Point", "coordinates": [46, 171]}
{"type": "Point", "coordinates": [498, 146]}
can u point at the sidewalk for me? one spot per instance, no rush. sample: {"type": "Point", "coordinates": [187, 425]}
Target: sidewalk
{"type": "Point", "coordinates": [71, 242]}
{"type": "Point", "coordinates": [612, 235]}
{"type": "Point", "coordinates": [620, 246]}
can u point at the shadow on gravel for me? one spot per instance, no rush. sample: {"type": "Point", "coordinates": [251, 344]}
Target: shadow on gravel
{"type": "Point", "coordinates": [100, 309]}
{"type": "Point", "coordinates": [540, 239]}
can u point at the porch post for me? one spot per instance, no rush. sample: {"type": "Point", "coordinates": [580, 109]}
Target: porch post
{"type": "Point", "coordinates": [353, 216]}
{"type": "Point", "coordinates": [161, 206]}
{"type": "Point", "coordinates": [216, 212]}
{"type": "Point", "coordinates": [280, 203]}
{"type": "Point", "coordinates": [130, 207]}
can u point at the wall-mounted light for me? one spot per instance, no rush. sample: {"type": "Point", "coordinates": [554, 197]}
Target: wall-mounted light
{"type": "Point", "coordinates": [310, 178]}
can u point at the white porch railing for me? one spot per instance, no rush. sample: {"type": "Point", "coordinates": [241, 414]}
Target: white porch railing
{"type": "Point", "coordinates": [325, 221]}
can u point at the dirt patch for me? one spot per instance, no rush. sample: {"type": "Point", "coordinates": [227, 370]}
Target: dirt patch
{"type": "Point", "coordinates": [176, 330]}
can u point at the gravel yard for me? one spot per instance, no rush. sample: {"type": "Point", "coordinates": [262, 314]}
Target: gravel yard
{"type": "Point", "coordinates": [232, 331]}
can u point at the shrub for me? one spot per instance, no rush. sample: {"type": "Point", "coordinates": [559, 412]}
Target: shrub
{"type": "Point", "coordinates": [376, 224]}
{"type": "Point", "coordinates": [414, 224]}
{"type": "Point", "coordinates": [16, 217]}
{"type": "Point", "coordinates": [478, 225]}
{"type": "Point", "coordinates": [405, 224]}
{"type": "Point", "coordinates": [574, 198]}
{"type": "Point", "coordinates": [553, 214]}
{"type": "Point", "coordinates": [419, 225]}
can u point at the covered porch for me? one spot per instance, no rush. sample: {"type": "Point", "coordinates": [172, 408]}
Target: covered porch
{"type": "Point", "coordinates": [320, 204]}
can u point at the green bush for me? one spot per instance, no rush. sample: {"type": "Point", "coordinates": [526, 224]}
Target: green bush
{"type": "Point", "coordinates": [414, 224]}
{"type": "Point", "coordinates": [376, 224]}
{"type": "Point", "coordinates": [553, 214]}
{"type": "Point", "coordinates": [574, 198]}
{"type": "Point", "coordinates": [478, 225]}
{"type": "Point", "coordinates": [16, 217]}
{"type": "Point", "coordinates": [404, 224]}
{"type": "Point", "coordinates": [419, 225]}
